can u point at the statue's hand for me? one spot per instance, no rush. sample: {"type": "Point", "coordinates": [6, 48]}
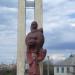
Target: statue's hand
{"type": "Point", "coordinates": [41, 54]}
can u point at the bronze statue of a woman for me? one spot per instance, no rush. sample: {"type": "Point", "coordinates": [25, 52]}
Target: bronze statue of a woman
{"type": "Point", "coordinates": [35, 52]}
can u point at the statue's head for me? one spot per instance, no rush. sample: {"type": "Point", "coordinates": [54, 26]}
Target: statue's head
{"type": "Point", "coordinates": [34, 25]}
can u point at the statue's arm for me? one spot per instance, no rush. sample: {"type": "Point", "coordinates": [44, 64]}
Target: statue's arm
{"type": "Point", "coordinates": [41, 30]}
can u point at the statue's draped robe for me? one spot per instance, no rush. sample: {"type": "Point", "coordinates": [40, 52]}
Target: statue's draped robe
{"type": "Point", "coordinates": [35, 52]}
{"type": "Point", "coordinates": [33, 60]}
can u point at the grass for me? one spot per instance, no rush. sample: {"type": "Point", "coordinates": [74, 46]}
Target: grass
{"type": "Point", "coordinates": [8, 72]}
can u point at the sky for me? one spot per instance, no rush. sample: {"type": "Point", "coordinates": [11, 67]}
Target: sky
{"type": "Point", "coordinates": [58, 26]}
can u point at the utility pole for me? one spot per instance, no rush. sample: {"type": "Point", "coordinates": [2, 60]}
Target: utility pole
{"type": "Point", "coordinates": [48, 66]}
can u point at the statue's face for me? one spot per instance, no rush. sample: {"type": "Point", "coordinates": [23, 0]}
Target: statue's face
{"type": "Point", "coordinates": [34, 25]}
{"type": "Point", "coordinates": [34, 39]}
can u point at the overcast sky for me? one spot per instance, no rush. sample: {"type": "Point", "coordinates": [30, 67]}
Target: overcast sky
{"type": "Point", "coordinates": [58, 25]}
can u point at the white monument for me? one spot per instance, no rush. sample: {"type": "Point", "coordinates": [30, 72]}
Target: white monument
{"type": "Point", "coordinates": [21, 47]}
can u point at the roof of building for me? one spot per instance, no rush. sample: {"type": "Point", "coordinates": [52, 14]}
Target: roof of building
{"type": "Point", "coordinates": [67, 62]}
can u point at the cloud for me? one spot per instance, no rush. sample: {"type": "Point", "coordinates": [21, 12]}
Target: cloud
{"type": "Point", "coordinates": [72, 15]}
{"type": "Point", "coordinates": [8, 32]}
{"type": "Point", "coordinates": [7, 14]}
{"type": "Point", "coordinates": [62, 38]}
{"type": "Point", "coordinates": [4, 9]}
{"type": "Point", "coordinates": [55, 57]}
{"type": "Point", "coordinates": [57, 14]}
{"type": "Point", "coordinates": [58, 25]}
{"type": "Point", "coordinates": [73, 24]}
{"type": "Point", "coordinates": [29, 19]}
{"type": "Point", "coordinates": [9, 3]}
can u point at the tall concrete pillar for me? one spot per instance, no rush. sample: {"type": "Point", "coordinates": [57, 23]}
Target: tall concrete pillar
{"type": "Point", "coordinates": [21, 38]}
{"type": "Point", "coordinates": [38, 16]}
{"type": "Point", "coordinates": [21, 48]}
{"type": "Point", "coordinates": [38, 12]}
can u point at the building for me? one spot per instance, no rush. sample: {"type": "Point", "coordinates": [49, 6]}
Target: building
{"type": "Point", "coordinates": [8, 67]}
{"type": "Point", "coordinates": [66, 67]}
{"type": "Point", "coordinates": [3, 66]}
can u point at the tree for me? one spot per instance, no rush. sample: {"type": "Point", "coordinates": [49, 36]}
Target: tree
{"type": "Point", "coordinates": [51, 68]}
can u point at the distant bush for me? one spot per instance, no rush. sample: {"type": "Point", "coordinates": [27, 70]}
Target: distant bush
{"type": "Point", "coordinates": [8, 71]}
{"type": "Point", "coordinates": [51, 68]}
